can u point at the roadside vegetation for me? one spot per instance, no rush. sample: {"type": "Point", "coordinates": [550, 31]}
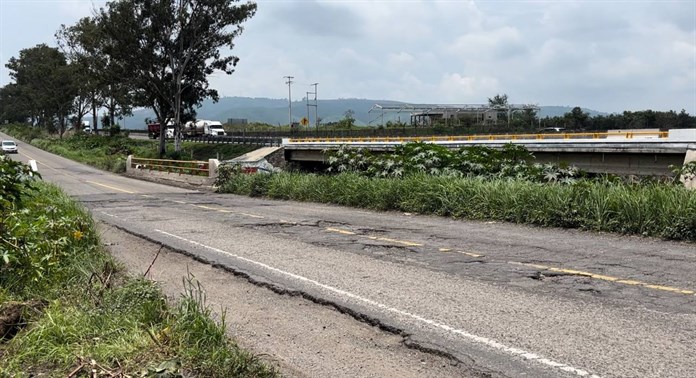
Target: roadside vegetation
{"type": "Point", "coordinates": [109, 152]}
{"type": "Point", "coordinates": [67, 308]}
{"type": "Point", "coordinates": [485, 184]}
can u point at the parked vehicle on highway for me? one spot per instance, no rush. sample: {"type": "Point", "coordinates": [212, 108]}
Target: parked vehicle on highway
{"type": "Point", "coordinates": [9, 147]}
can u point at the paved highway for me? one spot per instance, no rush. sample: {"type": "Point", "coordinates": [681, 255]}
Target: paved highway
{"type": "Point", "coordinates": [507, 299]}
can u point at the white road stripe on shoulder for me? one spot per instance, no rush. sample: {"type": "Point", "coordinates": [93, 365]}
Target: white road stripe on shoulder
{"type": "Point", "coordinates": [471, 337]}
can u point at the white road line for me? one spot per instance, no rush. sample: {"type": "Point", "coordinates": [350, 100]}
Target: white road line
{"type": "Point", "coordinates": [471, 337]}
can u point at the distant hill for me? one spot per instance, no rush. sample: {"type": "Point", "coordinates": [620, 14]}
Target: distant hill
{"type": "Point", "coordinates": [557, 111]}
{"type": "Point", "coordinates": [275, 111]}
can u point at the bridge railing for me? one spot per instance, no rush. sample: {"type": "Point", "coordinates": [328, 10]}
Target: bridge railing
{"type": "Point", "coordinates": [493, 137]}
{"type": "Point", "coordinates": [182, 167]}
{"type": "Point", "coordinates": [228, 139]}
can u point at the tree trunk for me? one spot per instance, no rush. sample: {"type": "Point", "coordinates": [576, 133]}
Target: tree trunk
{"type": "Point", "coordinates": [94, 112]}
{"type": "Point", "coordinates": [162, 141]}
{"type": "Point", "coordinates": [112, 111]}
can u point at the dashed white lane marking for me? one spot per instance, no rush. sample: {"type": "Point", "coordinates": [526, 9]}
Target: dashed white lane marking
{"type": "Point", "coordinates": [471, 337]}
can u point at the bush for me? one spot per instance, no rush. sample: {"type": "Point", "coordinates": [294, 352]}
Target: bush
{"type": "Point", "coordinates": [513, 161]}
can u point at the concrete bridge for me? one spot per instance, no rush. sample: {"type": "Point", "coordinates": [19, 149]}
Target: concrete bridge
{"type": "Point", "coordinates": [623, 152]}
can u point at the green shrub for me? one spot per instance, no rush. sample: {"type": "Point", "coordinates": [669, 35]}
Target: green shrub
{"type": "Point", "coordinates": [512, 161]}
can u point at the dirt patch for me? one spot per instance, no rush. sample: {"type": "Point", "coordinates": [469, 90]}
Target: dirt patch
{"type": "Point", "coordinates": [14, 316]}
{"type": "Point", "coordinates": [301, 338]}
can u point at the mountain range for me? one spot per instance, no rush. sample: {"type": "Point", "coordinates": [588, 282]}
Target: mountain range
{"type": "Point", "coordinates": [275, 111]}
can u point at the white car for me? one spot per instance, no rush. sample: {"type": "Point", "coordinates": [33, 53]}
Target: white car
{"type": "Point", "coordinates": [9, 147]}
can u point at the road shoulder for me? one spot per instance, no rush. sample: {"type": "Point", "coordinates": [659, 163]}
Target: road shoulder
{"type": "Point", "coordinates": [299, 337]}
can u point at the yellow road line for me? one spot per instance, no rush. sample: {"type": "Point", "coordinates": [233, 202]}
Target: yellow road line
{"type": "Point", "coordinates": [220, 210]}
{"type": "Point", "coordinates": [404, 242]}
{"type": "Point", "coordinates": [205, 207]}
{"type": "Point", "coordinates": [75, 177]}
{"type": "Point", "coordinates": [344, 232]}
{"type": "Point", "coordinates": [45, 165]}
{"type": "Point", "coordinates": [110, 187]}
{"type": "Point", "coordinates": [470, 254]}
{"type": "Point", "coordinates": [252, 215]}
{"type": "Point", "coordinates": [608, 278]}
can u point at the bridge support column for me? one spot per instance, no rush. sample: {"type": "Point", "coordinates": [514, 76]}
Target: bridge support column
{"type": "Point", "coordinates": [689, 182]}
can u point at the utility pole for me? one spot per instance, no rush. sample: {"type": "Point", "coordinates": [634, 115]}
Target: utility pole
{"type": "Point", "coordinates": [307, 101]}
{"type": "Point", "coordinates": [289, 83]}
{"type": "Point", "coordinates": [316, 106]}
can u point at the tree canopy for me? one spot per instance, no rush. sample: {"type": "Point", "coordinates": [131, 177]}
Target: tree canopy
{"type": "Point", "coordinates": [44, 87]}
{"type": "Point", "coordinates": [168, 48]}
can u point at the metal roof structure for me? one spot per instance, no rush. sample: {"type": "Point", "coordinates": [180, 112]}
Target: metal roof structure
{"type": "Point", "coordinates": [424, 110]}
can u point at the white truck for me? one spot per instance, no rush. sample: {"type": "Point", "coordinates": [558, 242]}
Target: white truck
{"type": "Point", "coordinates": [212, 128]}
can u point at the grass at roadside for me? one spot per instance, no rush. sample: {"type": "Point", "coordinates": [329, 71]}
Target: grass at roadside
{"type": "Point", "coordinates": [66, 306]}
{"type": "Point", "coordinates": [653, 209]}
{"type": "Point", "coordinates": [109, 152]}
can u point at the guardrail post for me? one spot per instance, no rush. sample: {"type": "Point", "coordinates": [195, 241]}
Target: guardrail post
{"type": "Point", "coordinates": [213, 167]}
{"type": "Point", "coordinates": [129, 163]}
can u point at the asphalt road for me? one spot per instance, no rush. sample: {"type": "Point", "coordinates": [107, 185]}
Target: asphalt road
{"type": "Point", "coordinates": [515, 300]}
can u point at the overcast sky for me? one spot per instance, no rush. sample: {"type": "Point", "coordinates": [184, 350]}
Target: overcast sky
{"type": "Point", "coordinates": [607, 56]}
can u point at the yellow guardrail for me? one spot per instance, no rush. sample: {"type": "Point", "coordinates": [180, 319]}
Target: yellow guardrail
{"type": "Point", "coordinates": [182, 167]}
{"type": "Point", "coordinates": [449, 138]}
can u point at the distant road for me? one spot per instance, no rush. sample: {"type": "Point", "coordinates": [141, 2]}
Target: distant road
{"type": "Point", "coordinates": [138, 136]}
{"type": "Point", "coordinates": [502, 298]}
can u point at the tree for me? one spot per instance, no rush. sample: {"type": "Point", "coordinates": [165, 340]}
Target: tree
{"type": "Point", "coordinates": [168, 48]}
{"type": "Point", "coordinates": [101, 84]}
{"type": "Point", "coordinates": [12, 104]}
{"type": "Point", "coordinates": [527, 118]}
{"type": "Point", "coordinates": [498, 101]}
{"type": "Point", "coordinates": [348, 120]}
{"type": "Point", "coordinates": [577, 117]}
{"type": "Point", "coordinates": [45, 84]}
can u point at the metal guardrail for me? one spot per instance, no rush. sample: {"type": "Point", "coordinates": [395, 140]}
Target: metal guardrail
{"type": "Point", "coordinates": [227, 139]}
{"type": "Point", "coordinates": [555, 136]}
{"type": "Point", "coordinates": [182, 167]}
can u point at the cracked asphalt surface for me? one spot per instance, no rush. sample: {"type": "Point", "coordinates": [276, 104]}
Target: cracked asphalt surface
{"type": "Point", "coordinates": [504, 299]}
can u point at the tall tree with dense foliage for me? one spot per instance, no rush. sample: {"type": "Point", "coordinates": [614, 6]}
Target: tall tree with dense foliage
{"type": "Point", "coordinates": [500, 102]}
{"type": "Point", "coordinates": [79, 43]}
{"type": "Point", "coordinates": [577, 117]}
{"type": "Point", "coordinates": [45, 86]}
{"type": "Point", "coordinates": [167, 49]}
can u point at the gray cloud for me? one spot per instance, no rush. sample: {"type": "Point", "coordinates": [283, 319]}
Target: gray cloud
{"type": "Point", "coordinates": [315, 19]}
{"type": "Point", "coordinates": [609, 56]}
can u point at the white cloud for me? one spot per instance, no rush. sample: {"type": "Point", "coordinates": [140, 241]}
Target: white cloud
{"type": "Point", "coordinates": [460, 89]}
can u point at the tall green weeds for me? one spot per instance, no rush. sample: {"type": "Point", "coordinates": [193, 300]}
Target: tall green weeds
{"type": "Point", "coordinates": [652, 209]}
{"type": "Point", "coordinates": [79, 313]}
